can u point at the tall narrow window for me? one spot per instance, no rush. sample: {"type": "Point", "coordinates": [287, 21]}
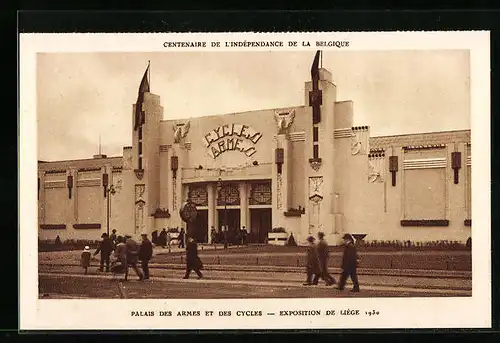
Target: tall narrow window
{"type": "Point", "coordinates": [140, 132]}
{"type": "Point", "coordinates": [140, 162]}
{"type": "Point", "coordinates": [315, 134]}
{"type": "Point", "coordinates": [140, 148]}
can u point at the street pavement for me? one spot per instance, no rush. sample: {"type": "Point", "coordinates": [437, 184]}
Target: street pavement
{"type": "Point", "coordinates": [60, 276]}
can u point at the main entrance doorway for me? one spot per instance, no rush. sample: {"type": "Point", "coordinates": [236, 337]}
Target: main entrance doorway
{"type": "Point", "coordinates": [233, 223]}
{"type": "Point", "coordinates": [198, 229]}
{"type": "Point", "coordinates": [260, 224]}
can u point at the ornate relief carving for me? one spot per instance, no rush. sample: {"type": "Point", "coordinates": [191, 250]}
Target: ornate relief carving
{"type": "Point", "coordinates": [198, 195]}
{"type": "Point", "coordinates": [376, 163]}
{"type": "Point", "coordinates": [229, 195]}
{"type": "Point", "coordinates": [315, 163]}
{"type": "Point", "coordinates": [260, 194]}
{"type": "Point", "coordinates": [283, 118]}
{"type": "Point", "coordinates": [355, 146]}
{"type": "Point", "coordinates": [139, 216]}
{"type": "Point", "coordinates": [359, 140]}
{"type": "Point", "coordinates": [279, 185]}
{"type": "Point", "coordinates": [180, 131]}
{"type": "Point", "coordinates": [315, 188]}
{"type": "Point", "coordinates": [139, 192]}
{"type": "Point", "coordinates": [139, 173]}
{"type": "Point", "coordinates": [174, 193]}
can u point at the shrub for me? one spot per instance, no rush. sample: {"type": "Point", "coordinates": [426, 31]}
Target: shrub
{"type": "Point", "coordinates": [278, 230]}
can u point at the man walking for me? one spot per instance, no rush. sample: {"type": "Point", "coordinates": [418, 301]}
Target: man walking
{"type": "Point", "coordinates": [312, 263]}
{"type": "Point", "coordinates": [322, 247]}
{"type": "Point", "coordinates": [105, 248]}
{"type": "Point", "coordinates": [145, 254]}
{"type": "Point", "coordinates": [349, 264]}
{"type": "Point", "coordinates": [193, 262]}
{"type": "Point", "coordinates": [132, 256]}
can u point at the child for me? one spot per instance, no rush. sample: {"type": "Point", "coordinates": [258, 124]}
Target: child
{"type": "Point", "coordinates": [85, 259]}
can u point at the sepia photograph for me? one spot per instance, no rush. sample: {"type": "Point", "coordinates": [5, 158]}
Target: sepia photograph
{"type": "Point", "coordinates": [241, 175]}
{"type": "Point", "coordinates": [217, 181]}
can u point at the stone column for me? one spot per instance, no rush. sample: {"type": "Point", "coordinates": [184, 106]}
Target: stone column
{"type": "Point", "coordinates": [243, 204]}
{"type": "Point", "coordinates": [211, 190]}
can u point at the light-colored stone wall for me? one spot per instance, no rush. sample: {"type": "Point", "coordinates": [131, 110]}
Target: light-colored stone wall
{"type": "Point", "coordinates": [358, 195]}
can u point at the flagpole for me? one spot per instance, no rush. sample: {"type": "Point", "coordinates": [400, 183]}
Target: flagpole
{"type": "Point", "coordinates": [149, 72]}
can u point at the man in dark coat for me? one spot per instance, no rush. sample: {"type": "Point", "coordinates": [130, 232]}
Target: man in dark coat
{"type": "Point", "coordinates": [322, 247]}
{"type": "Point", "coordinates": [132, 256]}
{"type": "Point", "coordinates": [182, 236]}
{"type": "Point", "coordinates": [193, 262]}
{"type": "Point", "coordinates": [349, 264]}
{"type": "Point", "coordinates": [145, 254]}
{"type": "Point", "coordinates": [312, 263]}
{"type": "Point", "coordinates": [163, 238]}
{"type": "Point", "coordinates": [105, 248]}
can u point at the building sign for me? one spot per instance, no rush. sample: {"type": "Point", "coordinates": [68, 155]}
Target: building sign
{"type": "Point", "coordinates": [232, 137]}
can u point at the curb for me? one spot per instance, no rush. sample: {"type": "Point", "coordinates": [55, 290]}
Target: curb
{"type": "Point", "coordinates": [432, 274]}
{"type": "Point", "coordinates": [287, 283]}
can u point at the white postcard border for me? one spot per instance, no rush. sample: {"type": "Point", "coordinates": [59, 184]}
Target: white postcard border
{"type": "Point", "coordinates": [456, 312]}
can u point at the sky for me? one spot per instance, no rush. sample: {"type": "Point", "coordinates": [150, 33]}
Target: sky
{"type": "Point", "coordinates": [84, 96]}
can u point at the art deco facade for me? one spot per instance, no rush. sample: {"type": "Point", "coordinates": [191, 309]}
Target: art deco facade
{"type": "Point", "coordinates": [306, 169]}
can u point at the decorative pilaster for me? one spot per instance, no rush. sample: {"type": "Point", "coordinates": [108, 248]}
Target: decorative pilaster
{"type": "Point", "coordinates": [281, 182]}
{"type": "Point", "coordinates": [211, 190]}
{"type": "Point", "coordinates": [243, 203]}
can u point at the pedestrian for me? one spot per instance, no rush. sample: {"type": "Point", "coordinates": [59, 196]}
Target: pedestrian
{"type": "Point", "coordinates": [120, 265]}
{"type": "Point", "coordinates": [105, 248]}
{"type": "Point", "coordinates": [168, 240]}
{"type": "Point", "coordinates": [182, 236]}
{"type": "Point", "coordinates": [145, 254]}
{"type": "Point", "coordinates": [193, 262]}
{"type": "Point", "coordinates": [113, 237]}
{"type": "Point", "coordinates": [163, 238]}
{"type": "Point", "coordinates": [213, 235]}
{"type": "Point", "coordinates": [312, 263]}
{"type": "Point", "coordinates": [85, 259]}
{"type": "Point", "coordinates": [132, 256]}
{"type": "Point", "coordinates": [350, 262]}
{"type": "Point", "coordinates": [322, 248]}
{"type": "Point", "coordinates": [244, 236]}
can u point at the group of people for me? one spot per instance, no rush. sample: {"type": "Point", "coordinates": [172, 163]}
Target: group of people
{"type": "Point", "coordinates": [317, 262]}
{"type": "Point", "coordinates": [118, 253]}
{"type": "Point", "coordinates": [235, 236]}
{"type": "Point", "coordinates": [164, 239]}
{"type": "Point", "coordinates": [127, 253]}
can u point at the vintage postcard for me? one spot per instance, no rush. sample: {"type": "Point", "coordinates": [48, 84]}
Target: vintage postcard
{"type": "Point", "coordinates": [255, 181]}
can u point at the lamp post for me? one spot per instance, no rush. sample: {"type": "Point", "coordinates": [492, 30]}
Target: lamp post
{"type": "Point", "coordinates": [110, 191]}
{"type": "Point", "coordinates": [219, 185]}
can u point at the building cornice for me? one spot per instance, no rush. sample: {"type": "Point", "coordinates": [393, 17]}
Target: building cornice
{"type": "Point", "coordinates": [420, 139]}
